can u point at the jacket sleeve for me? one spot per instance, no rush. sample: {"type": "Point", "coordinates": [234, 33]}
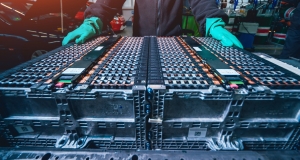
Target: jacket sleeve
{"type": "Point", "coordinates": [105, 10]}
{"type": "Point", "coordinates": [203, 9]}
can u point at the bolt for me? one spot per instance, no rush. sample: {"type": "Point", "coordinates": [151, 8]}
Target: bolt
{"type": "Point", "coordinates": [148, 146]}
{"type": "Point", "coordinates": [148, 108]}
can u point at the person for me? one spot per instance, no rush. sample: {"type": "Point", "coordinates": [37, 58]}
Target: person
{"type": "Point", "coordinates": [291, 47]}
{"type": "Point", "coordinates": [155, 18]}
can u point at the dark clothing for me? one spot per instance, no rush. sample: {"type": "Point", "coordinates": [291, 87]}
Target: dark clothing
{"type": "Point", "coordinates": [292, 42]}
{"type": "Point", "coordinates": [157, 17]}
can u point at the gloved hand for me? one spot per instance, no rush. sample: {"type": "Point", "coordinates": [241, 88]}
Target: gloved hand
{"type": "Point", "coordinates": [215, 28]}
{"type": "Point", "coordinates": [89, 28]}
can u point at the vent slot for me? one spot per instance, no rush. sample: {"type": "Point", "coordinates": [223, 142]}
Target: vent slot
{"type": "Point", "coordinates": [244, 125]}
{"type": "Point", "coordinates": [230, 114]}
{"type": "Point", "coordinates": [68, 113]}
{"type": "Point", "coordinates": [36, 123]}
{"type": "Point", "coordinates": [236, 114]}
{"type": "Point", "coordinates": [120, 125]}
{"type": "Point", "coordinates": [196, 125]}
{"type": "Point", "coordinates": [83, 124]}
{"type": "Point", "coordinates": [237, 103]}
{"type": "Point", "coordinates": [54, 123]}
{"type": "Point", "coordinates": [101, 124]}
{"type": "Point", "coordinates": [62, 112]}
{"type": "Point", "coordinates": [215, 125]}
{"type": "Point", "coordinates": [177, 125]}
{"type": "Point", "coordinates": [68, 123]}
{"type": "Point", "coordinates": [19, 123]}
{"type": "Point", "coordinates": [282, 125]}
{"type": "Point", "coordinates": [263, 125]}
{"type": "Point", "coordinates": [230, 124]}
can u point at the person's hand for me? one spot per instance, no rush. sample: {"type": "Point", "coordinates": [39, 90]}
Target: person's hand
{"type": "Point", "coordinates": [215, 28]}
{"type": "Point", "coordinates": [89, 28]}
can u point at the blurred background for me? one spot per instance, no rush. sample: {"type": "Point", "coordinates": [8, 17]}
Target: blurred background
{"type": "Point", "coordinates": [30, 28]}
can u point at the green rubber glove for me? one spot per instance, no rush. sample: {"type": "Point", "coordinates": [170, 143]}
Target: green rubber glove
{"type": "Point", "coordinates": [89, 28]}
{"type": "Point", "coordinates": [215, 28]}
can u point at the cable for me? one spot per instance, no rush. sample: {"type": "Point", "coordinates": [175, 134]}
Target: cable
{"type": "Point", "coordinates": [245, 28]}
{"type": "Point", "coordinates": [243, 25]}
{"type": "Point", "coordinates": [225, 143]}
{"type": "Point", "coordinates": [127, 20]}
{"type": "Point", "coordinates": [61, 16]}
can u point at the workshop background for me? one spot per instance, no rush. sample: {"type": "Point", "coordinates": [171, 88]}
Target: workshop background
{"type": "Point", "coordinates": [261, 26]}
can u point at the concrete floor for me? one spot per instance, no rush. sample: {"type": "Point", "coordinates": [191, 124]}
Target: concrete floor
{"type": "Point", "coordinates": [126, 32]}
{"type": "Point", "coordinates": [270, 49]}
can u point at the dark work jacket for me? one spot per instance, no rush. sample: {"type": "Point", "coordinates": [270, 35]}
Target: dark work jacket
{"type": "Point", "coordinates": [292, 41]}
{"type": "Point", "coordinates": [157, 17]}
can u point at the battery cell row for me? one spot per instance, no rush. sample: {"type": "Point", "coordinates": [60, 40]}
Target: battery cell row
{"type": "Point", "coordinates": [181, 68]}
{"type": "Point", "coordinates": [118, 68]}
{"type": "Point", "coordinates": [254, 69]}
{"type": "Point", "coordinates": [153, 60]}
{"type": "Point", "coordinates": [44, 69]}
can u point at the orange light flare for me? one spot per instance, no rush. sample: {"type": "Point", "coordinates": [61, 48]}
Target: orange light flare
{"type": "Point", "coordinates": [12, 9]}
